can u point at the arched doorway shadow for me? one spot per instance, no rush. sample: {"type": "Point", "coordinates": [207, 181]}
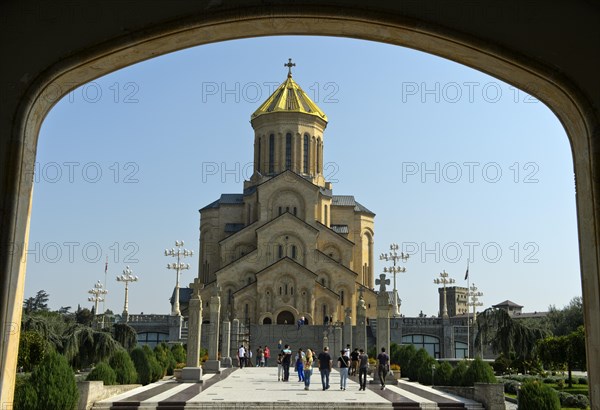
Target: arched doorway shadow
{"type": "Point", "coordinates": [112, 50]}
{"type": "Point", "coordinates": [285, 318]}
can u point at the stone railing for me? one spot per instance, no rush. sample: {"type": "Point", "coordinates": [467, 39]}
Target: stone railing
{"type": "Point", "coordinates": [93, 391]}
{"type": "Point", "coordinates": [491, 395]}
{"type": "Point", "coordinates": [148, 318]}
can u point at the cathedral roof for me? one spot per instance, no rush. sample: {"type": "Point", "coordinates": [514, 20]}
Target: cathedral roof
{"type": "Point", "coordinates": [289, 97]}
{"type": "Point", "coordinates": [348, 200]}
{"type": "Point", "coordinates": [227, 199]}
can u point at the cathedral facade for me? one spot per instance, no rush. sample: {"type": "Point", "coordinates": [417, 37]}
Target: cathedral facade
{"type": "Point", "coordinates": [287, 247]}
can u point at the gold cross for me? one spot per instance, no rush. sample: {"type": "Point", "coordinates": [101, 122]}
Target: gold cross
{"type": "Point", "coordinates": [289, 65]}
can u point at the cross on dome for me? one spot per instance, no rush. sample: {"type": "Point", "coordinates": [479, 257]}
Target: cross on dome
{"type": "Point", "coordinates": [289, 65]}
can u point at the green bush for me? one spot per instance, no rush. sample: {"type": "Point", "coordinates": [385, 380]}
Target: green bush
{"type": "Point", "coordinates": [420, 358]}
{"type": "Point", "coordinates": [426, 373]}
{"type": "Point", "coordinates": [32, 348]}
{"type": "Point", "coordinates": [458, 374]}
{"type": "Point", "coordinates": [443, 374]}
{"type": "Point", "coordinates": [536, 396]}
{"type": "Point", "coordinates": [165, 358]}
{"type": "Point", "coordinates": [156, 370]}
{"type": "Point", "coordinates": [142, 365]}
{"type": "Point", "coordinates": [25, 395]}
{"type": "Point", "coordinates": [479, 372]}
{"type": "Point", "coordinates": [123, 367]}
{"type": "Point", "coordinates": [54, 383]}
{"type": "Point", "coordinates": [583, 380]}
{"type": "Point", "coordinates": [179, 353]}
{"type": "Point", "coordinates": [103, 372]}
{"type": "Point", "coordinates": [511, 386]}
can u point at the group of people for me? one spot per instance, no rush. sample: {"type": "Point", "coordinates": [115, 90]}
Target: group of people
{"type": "Point", "coordinates": [244, 356]}
{"type": "Point", "coordinates": [348, 363]}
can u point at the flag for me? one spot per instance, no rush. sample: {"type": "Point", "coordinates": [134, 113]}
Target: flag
{"type": "Point", "coordinates": [467, 273]}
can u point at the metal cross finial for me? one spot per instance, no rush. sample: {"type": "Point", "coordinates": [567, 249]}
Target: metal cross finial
{"type": "Point", "coordinates": [382, 281]}
{"type": "Point", "coordinates": [289, 65]}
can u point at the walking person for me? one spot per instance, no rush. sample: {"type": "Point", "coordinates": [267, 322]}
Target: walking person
{"type": "Point", "coordinates": [383, 366]}
{"type": "Point", "coordinates": [279, 367]}
{"type": "Point", "coordinates": [241, 356]}
{"type": "Point", "coordinates": [260, 358]}
{"type": "Point", "coordinates": [307, 362]}
{"type": "Point", "coordinates": [267, 355]}
{"type": "Point", "coordinates": [286, 361]}
{"type": "Point", "coordinates": [363, 366]}
{"type": "Point", "coordinates": [325, 365]}
{"type": "Point", "coordinates": [344, 365]}
{"type": "Point", "coordinates": [353, 362]}
{"type": "Point", "coordinates": [300, 365]}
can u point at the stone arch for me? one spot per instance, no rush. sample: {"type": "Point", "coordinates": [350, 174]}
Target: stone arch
{"type": "Point", "coordinates": [288, 200]}
{"type": "Point", "coordinates": [324, 278]}
{"type": "Point", "coordinates": [285, 317]}
{"type": "Point", "coordinates": [367, 246]}
{"type": "Point", "coordinates": [333, 251]}
{"type": "Point", "coordinates": [106, 49]}
{"type": "Point", "coordinates": [282, 243]}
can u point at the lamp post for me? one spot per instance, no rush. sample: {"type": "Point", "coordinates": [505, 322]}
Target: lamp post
{"type": "Point", "coordinates": [444, 280]}
{"type": "Point", "coordinates": [394, 257]}
{"type": "Point", "coordinates": [127, 277]}
{"type": "Point", "coordinates": [473, 301]}
{"type": "Point", "coordinates": [97, 293]}
{"type": "Point", "coordinates": [178, 267]}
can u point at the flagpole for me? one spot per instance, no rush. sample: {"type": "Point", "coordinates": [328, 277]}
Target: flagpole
{"type": "Point", "coordinates": [468, 314]}
{"type": "Point", "coordinates": [104, 301]}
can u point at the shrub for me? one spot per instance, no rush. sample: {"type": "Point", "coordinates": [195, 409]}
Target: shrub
{"type": "Point", "coordinates": [54, 383]}
{"type": "Point", "coordinates": [165, 358]}
{"type": "Point", "coordinates": [25, 395]}
{"type": "Point", "coordinates": [32, 348]}
{"type": "Point", "coordinates": [426, 373]}
{"type": "Point", "coordinates": [458, 374]}
{"type": "Point", "coordinates": [560, 384]}
{"type": "Point", "coordinates": [511, 386]}
{"type": "Point", "coordinates": [156, 370]}
{"type": "Point", "coordinates": [179, 353]}
{"type": "Point", "coordinates": [583, 380]}
{"type": "Point", "coordinates": [414, 366]}
{"type": "Point", "coordinates": [536, 396]}
{"type": "Point", "coordinates": [479, 372]}
{"type": "Point", "coordinates": [142, 365]}
{"type": "Point", "coordinates": [103, 372]}
{"type": "Point", "coordinates": [123, 367]}
{"type": "Point", "coordinates": [443, 374]}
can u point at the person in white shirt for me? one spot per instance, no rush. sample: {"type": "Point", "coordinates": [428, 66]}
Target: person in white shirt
{"type": "Point", "coordinates": [241, 356]}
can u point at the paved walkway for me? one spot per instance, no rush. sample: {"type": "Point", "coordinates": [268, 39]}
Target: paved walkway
{"type": "Point", "coordinates": [258, 388]}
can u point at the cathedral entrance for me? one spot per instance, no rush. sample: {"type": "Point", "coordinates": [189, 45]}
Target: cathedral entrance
{"type": "Point", "coordinates": [285, 318]}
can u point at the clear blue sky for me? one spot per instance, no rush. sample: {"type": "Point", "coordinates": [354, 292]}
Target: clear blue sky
{"type": "Point", "coordinates": [449, 159]}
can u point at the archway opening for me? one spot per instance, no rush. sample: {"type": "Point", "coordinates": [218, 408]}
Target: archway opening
{"type": "Point", "coordinates": [285, 318]}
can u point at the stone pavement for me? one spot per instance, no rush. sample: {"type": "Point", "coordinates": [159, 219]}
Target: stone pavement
{"type": "Point", "coordinates": [258, 388]}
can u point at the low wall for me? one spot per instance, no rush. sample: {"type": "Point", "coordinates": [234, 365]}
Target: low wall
{"type": "Point", "coordinates": [93, 391]}
{"type": "Point", "coordinates": [491, 395]}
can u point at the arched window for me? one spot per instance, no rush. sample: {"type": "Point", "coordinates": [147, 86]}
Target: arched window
{"type": "Point", "coordinates": [291, 290]}
{"type": "Point", "coordinates": [318, 157]}
{"type": "Point", "coordinates": [306, 149]}
{"type": "Point", "coordinates": [288, 151]}
{"type": "Point", "coordinates": [342, 298]}
{"type": "Point", "coordinates": [280, 251]}
{"type": "Point", "coordinates": [271, 153]}
{"type": "Point", "coordinates": [258, 155]}
{"type": "Point", "coordinates": [326, 214]}
{"type": "Point", "coordinates": [280, 210]}
{"type": "Point", "coordinates": [295, 211]}
{"type": "Point", "coordinates": [294, 251]}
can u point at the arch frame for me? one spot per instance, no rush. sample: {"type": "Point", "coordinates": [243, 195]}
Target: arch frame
{"type": "Point", "coordinates": [571, 105]}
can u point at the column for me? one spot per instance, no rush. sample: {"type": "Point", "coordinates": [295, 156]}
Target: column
{"type": "Point", "coordinates": [337, 332]}
{"type": "Point", "coordinates": [225, 348]}
{"type": "Point", "coordinates": [383, 321]}
{"type": "Point", "coordinates": [348, 328]}
{"type": "Point", "coordinates": [193, 372]}
{"type": "Point", "coordinates": [213, 365]}
{"type": "Point", "coordinates": [361, 322]}
{"type": "Point", "coordinates": [235, 332]}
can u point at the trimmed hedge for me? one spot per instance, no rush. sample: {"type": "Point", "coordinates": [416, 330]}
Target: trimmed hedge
{"type": "Point", "coordinates": [25, 395]}
{"type": "Point", "coordinates": [124, 368]}
{"type": "Point", "coordinates": [103, 372]}
{"type": "Point", "coordinates": [54, 383]}
{"type": "Point", "coordinates": [479, 372]}
{"type": "Point", "coordinates": [535, 395]}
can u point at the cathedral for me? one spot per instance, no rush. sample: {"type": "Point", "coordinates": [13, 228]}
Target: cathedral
{"type": "Point", "coordinates": [287, 248]}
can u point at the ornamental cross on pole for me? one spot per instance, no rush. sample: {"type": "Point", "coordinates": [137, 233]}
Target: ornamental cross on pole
{"type": "Point", "coordinates": [382, 281]}
{"type": "Point", "coordinates": [289, 65]}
